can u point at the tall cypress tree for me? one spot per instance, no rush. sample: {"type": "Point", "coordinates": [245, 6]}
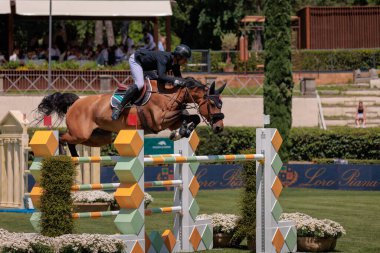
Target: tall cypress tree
{"type": "Point", "coordinates": [278, 84]}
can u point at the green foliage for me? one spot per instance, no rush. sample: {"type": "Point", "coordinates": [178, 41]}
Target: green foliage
{"type": "Point", "coordinates": [347, 143]}
{"type": "Point", "coordinates": [327, 60]}
{"type": "Point", "coordinates": [201, 23]}
{"type": "Point", "coordinates": [278, 84]}
{"type": "Point", "coordinates": [81, 28]}
{"type": "Point", "coordinates": [10, 65]}
{"type": "Point", "coordinates": [39, 247]}
{"type": "Point", "coordinates": [247, 224]}
{"type": "Point", "coordinates": [66, 65]}
{"type": "Point", "coordinates": [57, 177]}
{"type": "Point", "coordinates": [350, 161]}
{"type": "Point", "coordinates": [229, 41]}
{"type": "Point", "coordinates": [306, 144]}
{"type": "Point", "coordinates": [232, 140]}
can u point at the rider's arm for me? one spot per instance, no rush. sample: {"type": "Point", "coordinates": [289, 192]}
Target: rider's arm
{"type": "Point", "coordinates": [177, 71]}
{"type": "Point", "coordinates": [161, 72]}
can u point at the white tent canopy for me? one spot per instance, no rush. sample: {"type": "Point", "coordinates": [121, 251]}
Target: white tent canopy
{"type": "Point", "coordinates": [93, 8]}
{"type": "Point", "coordinates": [5, 7]}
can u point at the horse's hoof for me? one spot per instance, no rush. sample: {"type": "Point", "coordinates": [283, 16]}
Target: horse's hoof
{"type": "Point", "coordinates": [174, 136]}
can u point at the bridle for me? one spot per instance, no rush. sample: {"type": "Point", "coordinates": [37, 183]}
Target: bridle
{"type": "Point", "coordinates": [214, 117]}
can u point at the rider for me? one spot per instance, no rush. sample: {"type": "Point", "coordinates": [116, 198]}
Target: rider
{"type": "Point", "coordinates": [144, 60]}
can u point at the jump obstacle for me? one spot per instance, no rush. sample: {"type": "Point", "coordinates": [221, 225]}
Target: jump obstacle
{"type": "Point", "coordinates": [188, 233]}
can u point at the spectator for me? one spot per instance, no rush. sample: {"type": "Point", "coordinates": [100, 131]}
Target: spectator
{"type": "Point", "coordinates": [129, 42]}
{"type": "Point", "coordinates": [119, 53]}
{"type": "Point", "coordinates": [15, 55]}
{"type": "Point", "coordinates": [149, 41]}
{"type": "Point", "coordinates": [162, 43]}
{"type": "Point", "coordinates": [31, 55]}
{"type": "Point", "coordinates": [2, 59]}
{"type": "Point", "coordinates": [101, 55]}
{"type": "Point", "coordinates": [360, 117]}
{"type": "Point", "coordinates": [55, 53]}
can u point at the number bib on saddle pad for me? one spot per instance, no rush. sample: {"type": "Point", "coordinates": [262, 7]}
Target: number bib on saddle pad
{"type": "Point", "coordinates": [142, 100]}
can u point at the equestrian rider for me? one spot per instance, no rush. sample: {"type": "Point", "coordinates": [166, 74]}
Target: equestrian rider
{"type": "Point", "coordinates": [145, 60]}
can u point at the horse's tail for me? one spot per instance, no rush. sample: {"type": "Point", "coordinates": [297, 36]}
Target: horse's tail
{"type": "Point", "coordinates": [57, 103]}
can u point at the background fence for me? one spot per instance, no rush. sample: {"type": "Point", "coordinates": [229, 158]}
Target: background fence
{"type": "Point", "coordinates": [243, 78]}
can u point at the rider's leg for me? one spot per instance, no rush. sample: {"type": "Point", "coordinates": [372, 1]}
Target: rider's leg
{"type": "Point", "coordinates": [132, 91]}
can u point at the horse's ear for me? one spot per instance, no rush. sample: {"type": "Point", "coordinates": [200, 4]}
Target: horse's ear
{"type": "Point", "coordinates": [212, 88]}
{"type": "Point", "coordinates": [220, 90]}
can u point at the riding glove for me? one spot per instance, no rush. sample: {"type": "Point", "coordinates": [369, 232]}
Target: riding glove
{"type": "Point", "coordinates": [179, 82]}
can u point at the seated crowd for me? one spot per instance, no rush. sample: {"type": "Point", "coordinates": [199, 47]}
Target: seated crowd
{"type": "Point", "coordinates": [102, 54]}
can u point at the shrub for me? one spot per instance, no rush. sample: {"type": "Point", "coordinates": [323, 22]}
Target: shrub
{"type": "Point", "coordinates": [28, 243]}
{"type": "Point", "coordinates": [92, 196]}
{"type": "Point", "coordinates": [312, 227]}
{"type": "Point", "coordinates": [222, 223]}
{"type": "Point", "coordinates": [57, 177]}
{"type": "Point", "coordinates": [247, 223]}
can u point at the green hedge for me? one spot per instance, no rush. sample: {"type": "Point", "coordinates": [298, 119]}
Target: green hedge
{"type": "Point", "coordinates": [247, 223]}
{"type": "Point", "coordinates": [305, 60]}
{"type": "Point", "coordinates": [306, 143]}
{"type": "Point", "coordinates": [328, 60]}
{"type": "Point", "coordinates": [57, 177]}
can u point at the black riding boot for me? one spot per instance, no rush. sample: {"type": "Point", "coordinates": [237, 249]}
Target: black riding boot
{"type": "Point", "coordinates": [130, 97]}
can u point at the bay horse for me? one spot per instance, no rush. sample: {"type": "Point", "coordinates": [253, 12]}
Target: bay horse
{"type": "Point", "coordinates": [89, 122]}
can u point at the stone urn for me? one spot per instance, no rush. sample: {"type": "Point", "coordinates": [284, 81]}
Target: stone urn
{"type": "Point", "coordinates": [222, 240]}
{"type": "Point", "coordinates": [81, 207]}
{"type": "Point", "coordinates": [315, 244]}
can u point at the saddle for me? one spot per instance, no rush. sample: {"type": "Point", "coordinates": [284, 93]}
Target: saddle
{"type": "Point", "coordinates": [144, 97]}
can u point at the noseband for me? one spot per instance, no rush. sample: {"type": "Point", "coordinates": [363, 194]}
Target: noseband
{"type": "Point", "coordinates": [214, 117]}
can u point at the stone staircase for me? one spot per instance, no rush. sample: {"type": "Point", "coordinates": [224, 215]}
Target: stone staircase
{"type": "Point", "coordinates": [341, 110]}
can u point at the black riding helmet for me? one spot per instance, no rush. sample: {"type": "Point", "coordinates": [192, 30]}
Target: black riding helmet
{"type": "Point", "coordinates": [182, 51]}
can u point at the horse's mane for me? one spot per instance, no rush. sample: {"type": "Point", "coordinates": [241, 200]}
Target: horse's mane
{"type": "Point", "coordinates": [193, 83]}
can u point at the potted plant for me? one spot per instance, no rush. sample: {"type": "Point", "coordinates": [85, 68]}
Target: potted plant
{"type": "Point", "coordinates": [91, 201]}
{"type": "Point", "coordinates": [229, 41]}
{"type": "Point", "coordinates": [147, 200]}
{"type": "Point", "coordinates": [224, 227]}
{"type": "Point", "coordinates": [314, 235]}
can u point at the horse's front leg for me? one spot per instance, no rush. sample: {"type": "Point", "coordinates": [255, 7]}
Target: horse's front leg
{"type": "Point", "coordinates": [187, 125]}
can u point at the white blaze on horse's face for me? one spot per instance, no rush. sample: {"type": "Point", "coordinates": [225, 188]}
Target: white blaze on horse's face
{"type": "Point", "coordinates": [212, 108]}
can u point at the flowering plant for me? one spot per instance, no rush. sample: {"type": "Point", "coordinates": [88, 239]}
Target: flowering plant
{"type": "Point", "coordinates": [148, 198]}
{"type": "Point", "coordinates": [222, 223]}
{"type": "Point", "coordinates": [29, 242]}
{"type": "Point", "coordinates": [312, 227]}
{"type": "Point", "coordinates": [92, 196]}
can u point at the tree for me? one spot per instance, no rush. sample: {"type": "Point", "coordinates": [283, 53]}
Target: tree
{"type": "Point", "coordinates": [278, 84]}
{"type": "Point", "coordinates": [201, 23]}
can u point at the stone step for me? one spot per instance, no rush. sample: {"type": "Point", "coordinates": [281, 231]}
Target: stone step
{"type": "Point", "coordinates": [350, 101]}
{"type": "Point", "coordinates": [338, 110]}
{"type": "Point", "coordinates": [335, 122]}
{"type": "Point", "coordinates": [371, 92]}
{"type": "Point", "coordinates": [369, 114]}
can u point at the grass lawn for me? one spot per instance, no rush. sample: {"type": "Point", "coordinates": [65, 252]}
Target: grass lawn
{"type": "Point", "coordinates": [357, 211]}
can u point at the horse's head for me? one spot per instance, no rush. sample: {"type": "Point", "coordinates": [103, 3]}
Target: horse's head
{"type": "Point", "coordinates": [210, 105]}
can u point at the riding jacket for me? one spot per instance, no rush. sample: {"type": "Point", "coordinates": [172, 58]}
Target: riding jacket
{"type": "Point", "coordinates": [160, 61]}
